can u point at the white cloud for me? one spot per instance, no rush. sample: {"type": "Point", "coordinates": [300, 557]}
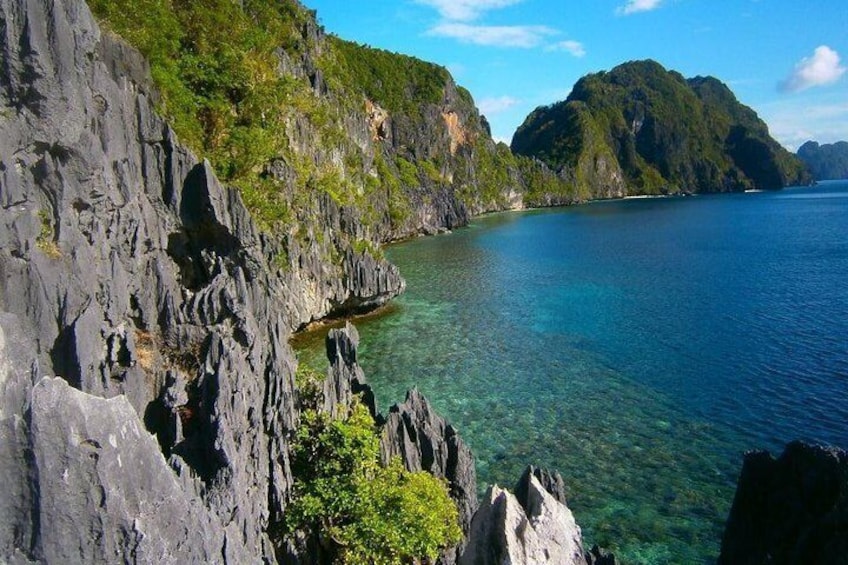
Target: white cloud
{"type": "Point", "coordinates": [465, 10]}
{"type": "Point", "coordinates": [793, 121]}
{"type": "Point", "coordinates": [497, 36]}
{"type": "Point", "coordinates": [493, 106]}
{"type": "Point", "coordinates": [634, 6]}
{"type": "Point", "coordinates": [820, 69]}
{"type": "Point", "coordinates": [574, 47]}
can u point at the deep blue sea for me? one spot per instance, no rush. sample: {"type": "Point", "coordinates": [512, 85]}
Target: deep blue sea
{"type": "Point", "coordinates": [637, 346]}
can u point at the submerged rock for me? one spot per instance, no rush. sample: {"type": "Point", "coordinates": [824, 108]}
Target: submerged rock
{"type": "Point", "coordinates": [793, 509]}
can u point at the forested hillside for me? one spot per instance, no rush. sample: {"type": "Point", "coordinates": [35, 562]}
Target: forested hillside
{"type": "Point", "coordinates": [640, 129]}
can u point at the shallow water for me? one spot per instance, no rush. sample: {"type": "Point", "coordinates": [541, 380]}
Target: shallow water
{"type": "Point", "coordinates": [637, 346]}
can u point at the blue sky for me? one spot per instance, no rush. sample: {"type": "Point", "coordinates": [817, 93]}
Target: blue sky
{"type": "Point", "coordinates": [786, 59]}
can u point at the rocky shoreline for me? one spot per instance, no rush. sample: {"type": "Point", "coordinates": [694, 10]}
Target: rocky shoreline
{"type": "Point", "coordinates": [147, 386]}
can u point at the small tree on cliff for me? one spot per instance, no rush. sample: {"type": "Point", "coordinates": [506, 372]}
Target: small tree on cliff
{"type": "Point", "coordinates": [361, 511]}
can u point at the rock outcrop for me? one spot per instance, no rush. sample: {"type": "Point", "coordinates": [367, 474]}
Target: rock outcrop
{"type": "Point", "coordinates": [542, 530]}
{"type": "Point", "coordinates": [424, 441]}
{"type": "Point", "coordinates": [599, 556]}
{"type": "Point", "coordinates": [104, 493]}
{"type": "Point", "coordinates": [533, 526]}
{"type": "Point", "coordinates": [551, 481]}
{"type": "Point", "coordinates": [345, 379]}
{"type": "Point", "coordinates": [412, 431]}
{"type": "Point", "coordinates": [792, 509]}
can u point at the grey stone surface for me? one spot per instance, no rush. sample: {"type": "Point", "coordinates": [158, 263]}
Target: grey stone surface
{"type": "Point", "coordinates": [551, 481]}
{"type": "Point", "coordinates": [105, 494]}
{"type": "Point", "coordinates": [503, 532]}
{"type": "Point", "coordinates": [131, 272]}
{"type": "Point", "coordinates": [18, 371]}
{"type": "Point", "coordinates": [345, 378]}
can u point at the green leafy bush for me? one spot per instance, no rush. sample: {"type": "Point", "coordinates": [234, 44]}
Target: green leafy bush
{"type": "Point", "coordinates": [360, 511]}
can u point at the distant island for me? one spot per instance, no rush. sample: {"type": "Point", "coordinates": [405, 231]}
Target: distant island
{"type": "Point", "coordinates": [641, 129]}
{"type": "Point", "coordinates": [826, 162]}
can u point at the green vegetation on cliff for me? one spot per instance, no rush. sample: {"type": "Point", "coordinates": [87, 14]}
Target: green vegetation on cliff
{"type": "Point", "coordinates": [826, 162]}
{"type": "Point", "coordinates": [644, 129]}
{"type": "Point", "coordinates": [215, 66]}
{"type": "Point", "coordinates": [401, 84]}
{"type": "Point", "coordinates": [289, 115]}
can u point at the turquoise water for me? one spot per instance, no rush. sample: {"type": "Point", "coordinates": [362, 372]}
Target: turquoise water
{"type": "Point", "coordinates": [637, 346]}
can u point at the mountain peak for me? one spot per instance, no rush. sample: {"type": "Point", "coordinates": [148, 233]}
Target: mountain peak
{"type": "Point", "coordinates": [659, 132]}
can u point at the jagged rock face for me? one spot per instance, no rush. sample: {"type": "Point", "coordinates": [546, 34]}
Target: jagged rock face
{"type": "Point", "coordinates": [504, 532]}
{"type": "Point", "coordinates": [793, 509]}
{"type": "Point", "coordinates": [99, 470]}
{"type": "Point", "coordinates": [424, 441]}
{"type": "Point", "coordinates": [554, 485]}
{"type": "Point", "coordinates": [551, 481]}
{"type": "Point", "coordinates": [345, 378]}
{"type": "Point", "coordinates": [131, 269]}
{"type": "Point", "coordinates": [18, 371]}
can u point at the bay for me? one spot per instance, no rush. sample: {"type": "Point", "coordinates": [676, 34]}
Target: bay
{"type": "Point", "coordinates": [637, 346]}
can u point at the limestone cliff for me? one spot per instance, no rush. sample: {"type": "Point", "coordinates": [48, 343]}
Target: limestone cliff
{"type": "Point", "coordinates": [129, 270]}
{"type": "Point", "coordinates": [334, 147]}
